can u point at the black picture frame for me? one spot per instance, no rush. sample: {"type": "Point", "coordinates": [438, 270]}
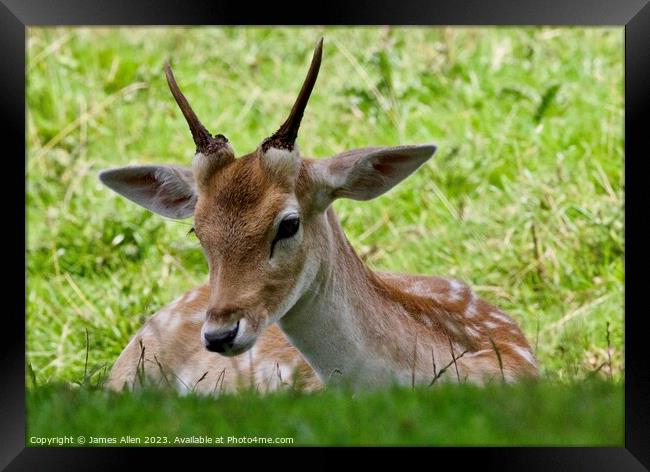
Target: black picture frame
{"type": "Point", "coordinates": [633, 15]}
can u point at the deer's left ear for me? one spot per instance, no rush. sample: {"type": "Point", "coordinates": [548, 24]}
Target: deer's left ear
{"type": "Point", "coordinates": [366, 173]}
{"type": "Point", "coordinates": [166, 190]}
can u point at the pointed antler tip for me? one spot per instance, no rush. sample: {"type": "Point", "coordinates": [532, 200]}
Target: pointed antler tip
{"type": "Point", "coordinates": [204, 141]}
{"type": "Point", "coordinates": [169, 73]}
{"type": "Point", "coordinates": [318, 52]}
{"type": "Point", "coordinates": [285, 137]}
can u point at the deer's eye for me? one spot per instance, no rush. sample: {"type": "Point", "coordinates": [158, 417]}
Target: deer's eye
{"type": "Point", "coordinates": [287, 228]}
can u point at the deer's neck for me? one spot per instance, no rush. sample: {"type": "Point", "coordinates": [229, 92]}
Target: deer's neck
{"type": "Point", "coordinates": [343, 324]}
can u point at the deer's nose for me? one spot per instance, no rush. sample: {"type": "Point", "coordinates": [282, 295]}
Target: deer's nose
{"type": "Point", "coordinates": [223, 315]}
{"type": "Point", "coordinates": [219, 341]}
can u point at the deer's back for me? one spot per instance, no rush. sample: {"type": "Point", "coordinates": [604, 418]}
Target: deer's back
{"type": "Point", "coordinates": [492, 333]}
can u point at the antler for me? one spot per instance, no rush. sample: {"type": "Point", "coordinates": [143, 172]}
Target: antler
{"type": "Point", "coordinates": [205, 142]}
{"type": "Point", "coordinates": [285, 137]}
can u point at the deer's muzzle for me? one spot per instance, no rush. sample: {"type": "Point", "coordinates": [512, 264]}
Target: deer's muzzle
{"type": "Point", "coordinates": [220, 341]}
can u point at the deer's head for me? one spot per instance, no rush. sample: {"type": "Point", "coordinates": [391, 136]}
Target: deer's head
{"type": "Point", "coordinates": [260, 218]}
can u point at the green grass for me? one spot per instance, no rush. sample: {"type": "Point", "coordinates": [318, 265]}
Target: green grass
{"type": "Point", "coordinates": [546, 414]}
{"type": "Point", "coordinates": [523, 199]}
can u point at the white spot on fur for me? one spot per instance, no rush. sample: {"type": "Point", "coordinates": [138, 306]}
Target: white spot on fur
{"type": "Point", "coordinates": [165, 319]}
{"type": "Point", "coordinates": [473, 332]}
{"type": "Point", "coordinates": [456, 289]}
{"type": "Point", "coordinates": [193, 296]}
{"type": "Point", "coordinates": [286, 372]}
{"type": "Point", "coordinates": [525, 353]}
{"type": "Point", "coordinates": [471, 310]}
{"type": "Point", "coordinates": [452, 327]}
{"type": "Point", "coordinates": [419, 287]}
{"type": "Point", "coordinates": [458, 349]}
{"type": "Point", "coordinates": [182, 387]}
{"type": "Point", "coordinates": [270, 375]}
{"type": "Point", "coordinates": [478, 353]}
{"type": "Point", "coordinates": [501, 317]}
{"type": "Point", "coordinates": [188, 378]}
{"type": "Point", "coordinates": [490, 325]}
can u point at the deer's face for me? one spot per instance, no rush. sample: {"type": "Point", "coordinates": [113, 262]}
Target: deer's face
{"type": "Point", "coordinates": [255, 231]}
{"type": "Point", "coordinates": [257, 217]}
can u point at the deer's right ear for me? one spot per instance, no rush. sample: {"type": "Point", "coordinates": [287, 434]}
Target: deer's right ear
{"type": "Point", "coordinates": [363, 174]}
{"type": "Point", "coordinates": [167, 190]}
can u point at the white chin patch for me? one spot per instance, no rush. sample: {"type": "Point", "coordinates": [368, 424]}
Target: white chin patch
{"type": "Point", "coordinates": [241, 333]}
{"type": "Point", "coordinates": [244, 339]}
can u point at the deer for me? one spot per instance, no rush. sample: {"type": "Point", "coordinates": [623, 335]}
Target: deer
{"type": "Point", "coordinates": [285, 282]}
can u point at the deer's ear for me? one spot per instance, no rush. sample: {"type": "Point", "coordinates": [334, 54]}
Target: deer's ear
{"type": "Point", "coordinates": [166, 190]}
{"type": "Point", "coordinates": [366, 173]}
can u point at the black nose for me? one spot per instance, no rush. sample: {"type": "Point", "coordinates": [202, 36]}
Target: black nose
{"type": "Point", "coordinates": [219, 342]}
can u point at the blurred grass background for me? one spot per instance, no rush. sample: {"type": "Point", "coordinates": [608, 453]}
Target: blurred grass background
{"type": "Point", "coordinates": [523, 200]}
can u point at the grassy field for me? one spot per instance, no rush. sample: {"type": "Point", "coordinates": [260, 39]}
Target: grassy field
{"type": "Point", "coordinates": [523, 200]}
{"type": "Point", "coordinates": [581, 414]}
